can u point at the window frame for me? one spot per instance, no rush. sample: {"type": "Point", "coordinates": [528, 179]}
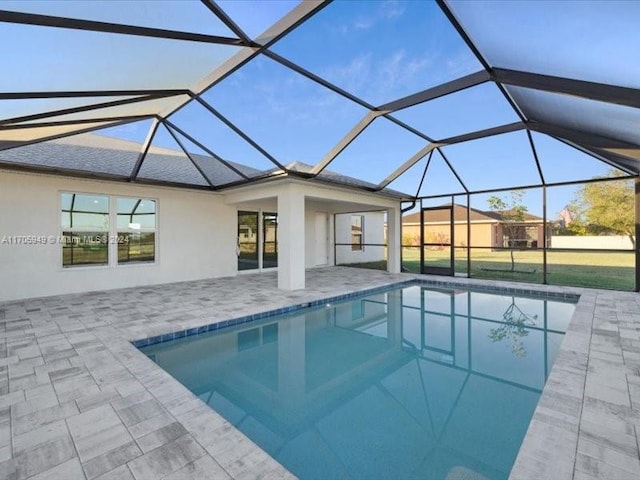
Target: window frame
{"type": "Point", "coordinates": [112, 233]}
{"type": "Point", "coordinates": [62, 230]}
{"type": "Point", "coordinates": [260, 240]}
{"type": "Point", "coordinates": [118, 231]}
{"type": "Point", "coordinates": [357, 246]}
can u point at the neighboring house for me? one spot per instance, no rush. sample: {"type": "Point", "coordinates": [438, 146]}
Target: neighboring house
{"type": "Point", "coordinates": [487, 228]}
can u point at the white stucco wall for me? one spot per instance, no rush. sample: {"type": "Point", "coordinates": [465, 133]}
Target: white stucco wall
{"type": "Point", "coordinates": [196, 237]}
{"type": "Point", "coordinates": [315, 251]}
{"type": "Point", "coordinates": [373, 233]}
{"type": "Point", "coordinates": [601, 242]}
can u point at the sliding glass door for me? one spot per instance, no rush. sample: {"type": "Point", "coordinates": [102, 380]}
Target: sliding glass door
{"type": "Point", "coordinates": [247, 240]}
{"type": "Point", "coordinates": [257, 240]}
{"type": "Point", "coordinates": [269, 240]}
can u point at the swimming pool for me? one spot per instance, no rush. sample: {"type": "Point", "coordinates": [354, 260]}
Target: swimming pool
{"type": "Point", "coordinates": [410, 382]}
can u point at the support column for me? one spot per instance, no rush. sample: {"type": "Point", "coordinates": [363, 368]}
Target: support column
{"type": "Point", "coordinates": [393, 239]}
{"type": "Point", "coordinates": [637, 231]}
{"type": "Point", "coordinates": [292, 360]}
{"type": "Point", "coordinates": [291, 241]}
{"type": "Point", "coordinates": [394, 319]}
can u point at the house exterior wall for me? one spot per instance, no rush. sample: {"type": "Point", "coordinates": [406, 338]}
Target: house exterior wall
{"type": "Point", "coordinates": [196, 233]}
{"type": "Point", "coordinates": [373, 234]}
{"type": "Point", "coordinates": [481, 234]}
{"type": "Point", "coordinates": [314, 245]}
{"type": "Point", "coordinates": [196, 237]}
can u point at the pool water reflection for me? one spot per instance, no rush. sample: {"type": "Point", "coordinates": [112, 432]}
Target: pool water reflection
{"type": "Point", "coordinates": [414, 382]}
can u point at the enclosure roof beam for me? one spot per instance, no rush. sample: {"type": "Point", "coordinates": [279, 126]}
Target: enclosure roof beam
{"type": "Point", "coordinates": [298, 15]}
{"type": "Point", "coordinates": [186, 152]}
{"type": "Point", "coordinates": [204, 148]}
{"type": "Point", "coordinates": [83, 108]}
{"type": "Point", "coordinates": [424, 174]}
{"type": "Point", "coordinates": [597, 146]}
{"type": "Point", "coordinates": [466, 38]}
{"type": "Point", "coordinates": [145, 149]}
{"type": "Point", "coordinates": [59, 123]}
{"type": "Point", "coordinates": [240, 132]}
{"type": "Point", "coordinates": [419, 155]}
{"type": "Point", "coordinates": [91, 93]}
{"type": "Point", "coordinates": [511, 127]}
{"type": "Point", "coordinates": [334, 88]}
{"type": "Point", "coordinates": [579, 136]}
{"type": "Point", "coordinates": [441, 90]}
{"type": "Point", "coordinates": [534, 151]}
{"type": "Point", "coordinates": [106, 27]}
{"type": "Point", "coordinates": [487, 132]}
{"type": "Point", "coordinates": [226, 19]}
{"type": "Point", "coordinates": [344, 142]}
{"type": "Point", "coordinates": [626, 165]}
{"type": "Point", "coordinates": [315, 78]}
{"type": "Point", "coordinates": [9, 144]}
{"type": "Point", "coordinates": [626, 96]}
{"type": "Point", "coordinates": [453, 170]}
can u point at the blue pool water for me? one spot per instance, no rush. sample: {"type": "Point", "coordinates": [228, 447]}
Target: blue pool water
{"type": "Point", "coordinates": [409, 383]}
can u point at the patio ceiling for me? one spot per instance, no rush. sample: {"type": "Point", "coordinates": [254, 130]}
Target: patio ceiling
{"type": "Point", "coordinates": [77, 67]}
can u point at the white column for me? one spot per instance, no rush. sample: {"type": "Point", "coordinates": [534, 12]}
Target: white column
{"type": "Point", "coordinates": [393, 239]}
{"type": "Point", "coordinates": [291, 227]}
{"type": "Point", "coordinates": [292, 360]}
{"type": "Point", "coordinates": [394, 318]}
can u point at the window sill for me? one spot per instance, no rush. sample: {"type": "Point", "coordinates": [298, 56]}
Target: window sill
{"type": "Point", "coordinates": [73, 268]}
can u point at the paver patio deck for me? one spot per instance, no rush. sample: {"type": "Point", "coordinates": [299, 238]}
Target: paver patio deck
{"type": "Point", "coordinates": [78, 400]}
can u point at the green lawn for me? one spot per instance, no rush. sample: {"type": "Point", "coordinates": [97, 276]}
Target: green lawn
{"type": "Point", "coordinates": [588, 269]}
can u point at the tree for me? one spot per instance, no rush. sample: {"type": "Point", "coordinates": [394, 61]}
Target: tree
{"type": "Point", "coordinates": [514, 328]}
{"type": "Point", "coordinates": [603, 208]}
{"type": "Point", "coordinates": [511, 211]}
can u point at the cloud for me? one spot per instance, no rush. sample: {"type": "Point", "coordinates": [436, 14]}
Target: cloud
{"type": "Point", "coordinates": [353, 75]}
{"type": "Point", "coordinates": [388, 10]}
{"type": "Point", "coordinates": [386, 77]}
{"type": "Point", "coordinates": [392, 9]}
{"type": "Point", "coordinates": [461, 63]}
{"type": "Point", "coordinates": [363, 23]}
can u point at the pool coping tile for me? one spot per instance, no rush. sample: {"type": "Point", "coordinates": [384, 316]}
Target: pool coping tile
{"type": "Point", "coordinates": [89, 338]}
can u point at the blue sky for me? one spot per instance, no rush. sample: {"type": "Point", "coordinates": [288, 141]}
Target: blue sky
{"type": "Point", "coordinates": [379, 51]}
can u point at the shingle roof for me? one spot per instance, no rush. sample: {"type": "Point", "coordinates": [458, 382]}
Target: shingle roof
{"type": "Point", "coordinates": [460, 215]}
{"type": "Point", "coordinates": [333, 177]}
{"type": "Point", "coordinates": [115, 157]}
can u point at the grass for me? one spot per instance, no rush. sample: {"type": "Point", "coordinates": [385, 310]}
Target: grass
{"type": "Point", "coordinates": [586, 269]}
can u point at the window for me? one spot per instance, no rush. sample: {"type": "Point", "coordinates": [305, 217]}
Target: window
{"type": "Point", "coordinates": [89, 230]}
{"type": "Point", "coordinates": [85, 229]}
{"type": "Point", "coordinates": [269, 240]}
{"type": "Point", "coordinates": [257, 240]}
{"type": "Point", "coordinates": [357, 232]}
{"type": "Point", "coordinates": [136, 230]}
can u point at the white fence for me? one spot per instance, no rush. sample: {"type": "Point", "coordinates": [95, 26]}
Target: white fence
{"type": "Point", "coordinates": [595, 242]}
